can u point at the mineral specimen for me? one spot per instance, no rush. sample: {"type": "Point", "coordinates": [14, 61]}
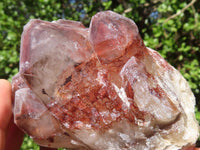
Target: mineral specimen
{"type": "Point", "coordinates": [100, 88]}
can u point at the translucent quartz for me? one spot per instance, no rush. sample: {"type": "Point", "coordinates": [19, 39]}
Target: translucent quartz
{"type": "Point", "coordinates": [100, 88]}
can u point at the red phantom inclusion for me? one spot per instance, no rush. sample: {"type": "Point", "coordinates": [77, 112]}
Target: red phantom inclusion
{"type": "Point", "coordinates": [100, 88]}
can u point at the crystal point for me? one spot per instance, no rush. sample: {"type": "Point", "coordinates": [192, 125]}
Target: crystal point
{"type": "Point", "coordinates": [100, 88]}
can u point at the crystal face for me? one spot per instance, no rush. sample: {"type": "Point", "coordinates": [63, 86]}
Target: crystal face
{"type": "Point", "coordinates": [100, 88]}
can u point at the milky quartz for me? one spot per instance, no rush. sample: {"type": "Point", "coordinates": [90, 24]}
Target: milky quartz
{"type": "Point", "coordinates": [100, 88]}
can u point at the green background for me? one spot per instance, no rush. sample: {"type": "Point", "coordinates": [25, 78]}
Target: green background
{"type": "Point", "coordinates": [172, 27]}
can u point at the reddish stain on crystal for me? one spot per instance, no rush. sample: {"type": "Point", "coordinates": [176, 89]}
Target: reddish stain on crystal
{"type": "Point", "coordinates": [100, 78]}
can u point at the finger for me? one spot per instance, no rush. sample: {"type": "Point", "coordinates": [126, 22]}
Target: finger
{"type": "Point", "coordinates": [2, 140]}
{"type": "Point", "coordinates": [5, 110]}
{"type": "Point", "coordinates": [14, 136]}
{"type": "Point", "coordinates": [5, 104]}
{"type": "Point", "coordinates": [47, 148]}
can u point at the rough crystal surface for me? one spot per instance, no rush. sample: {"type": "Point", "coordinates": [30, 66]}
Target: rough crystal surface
{"type": "Point", "coordinates": [100, 88]}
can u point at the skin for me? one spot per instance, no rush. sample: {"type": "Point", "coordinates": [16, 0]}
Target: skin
{"type": "Point", "coordinates": [9, 133]}
{"type": "Point", "coordinates": [11, 137]}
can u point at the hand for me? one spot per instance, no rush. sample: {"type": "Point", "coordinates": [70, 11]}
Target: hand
{"type": "Point", "coordinates": [10, 136]}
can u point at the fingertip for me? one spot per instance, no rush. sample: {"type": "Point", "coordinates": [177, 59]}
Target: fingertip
{"type": "Point", "coordinates": [5, 84]}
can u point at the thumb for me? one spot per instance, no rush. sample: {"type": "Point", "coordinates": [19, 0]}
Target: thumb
{"type": "Point", "coordinates": [5, 110]}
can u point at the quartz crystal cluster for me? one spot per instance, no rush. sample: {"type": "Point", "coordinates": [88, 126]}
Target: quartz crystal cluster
{"type": "Point", "coordinates": [100, 88]}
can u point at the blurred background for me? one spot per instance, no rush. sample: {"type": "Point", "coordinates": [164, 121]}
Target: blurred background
{"type": "Point", "coordinates": [172, 27]}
